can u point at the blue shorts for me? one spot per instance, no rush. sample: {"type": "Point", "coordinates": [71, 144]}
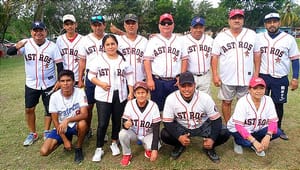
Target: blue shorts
{"type": "Point", "coordinates": [162, 89]}
{"type": "Point", "coordinates": [90, 91]}
{"type": "Point", "coordinates": [69, 134]}
{"type": "Point", "coordinates": [32, 97]}
{"type": "Point", "coordinates": [278, 87]}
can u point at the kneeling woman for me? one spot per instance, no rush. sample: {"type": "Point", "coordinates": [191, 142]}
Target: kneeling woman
{"type": "Point", "coordinates": [254, 121]}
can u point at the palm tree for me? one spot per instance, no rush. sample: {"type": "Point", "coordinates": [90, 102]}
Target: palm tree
{"type": "Point", "coordinates": [289, 18]}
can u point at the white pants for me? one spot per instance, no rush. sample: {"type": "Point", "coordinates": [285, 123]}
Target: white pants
{"type": "Point", "coordinates": [127, 136]}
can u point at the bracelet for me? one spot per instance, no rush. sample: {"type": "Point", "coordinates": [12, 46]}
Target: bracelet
{"type": "Point", "coordinates": [269, 134]}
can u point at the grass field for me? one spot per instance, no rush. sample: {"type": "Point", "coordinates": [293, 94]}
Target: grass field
{"type": "Point", "coordinates": [13, 129]}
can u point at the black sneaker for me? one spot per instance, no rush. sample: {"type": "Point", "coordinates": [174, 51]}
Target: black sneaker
{"type": "Point", "coordinates": [177, 151]}
{"type": "Point", "coordinates": [89, 133]}
{"type": "Point", "coordinates": [284, 136]}
{"type": "Point", "coordinates": [211, 153]}
{"type": "Point", "coordinates": [78, 155]}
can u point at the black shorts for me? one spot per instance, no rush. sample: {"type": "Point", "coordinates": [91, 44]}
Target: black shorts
{"type": "Point", "coordinates": [32, 97]}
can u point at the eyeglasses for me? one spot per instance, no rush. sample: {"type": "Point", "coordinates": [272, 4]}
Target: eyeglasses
{"type": "Point", "coordinates": [166, 23]}
{"type": "Point", "coordinates": [97, 18]}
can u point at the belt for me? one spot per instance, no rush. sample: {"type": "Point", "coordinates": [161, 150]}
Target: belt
{"type": "Point", "coordinates": [201, 74]}
{"type": "Point", "coordinates": [163, 78]}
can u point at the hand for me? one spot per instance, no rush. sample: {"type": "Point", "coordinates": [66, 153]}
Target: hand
{"type": "Point", "coordinates": [130, 96]}
{"type": "Point", "coordinates": [184, 139]}
{"type": "Point", "coordinates": [105, 86]}
{"type": "Point", "coordinates": [56, 86]}
{"type": "Point", "coordinates": [258, 146]}
{"type": "Point", "coordinates": [128, 124]}
{"type": "Point", "coordinates": [80, 84]}
{"type": "Point", "coordinates": [294, 84]}
{"type": "Point", "coordinates": [208, 143]}
{"type": "Point", "coordinates": [154, 155]}
{"type": "Point", "coordinates": [63, 126]}
{"type": "Point", "coordinates": [177, 81]}
{"type": "Point", "coordinates": [217, 81]}
{"type": "Point", "coordinates": [20, 44]}
{"type": "Point", "coordinates": [151, 84]}
{"type": "Point", "coordinates": [266, 141]}
{"type": "Point", "coordinates": [67, 145]}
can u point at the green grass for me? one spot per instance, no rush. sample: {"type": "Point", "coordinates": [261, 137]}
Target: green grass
{"type": "Point", "coordinates": [13, 128]}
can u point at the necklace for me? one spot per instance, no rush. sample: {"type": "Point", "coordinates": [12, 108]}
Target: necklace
{"type": "Point", "coordinates": [68, 102]}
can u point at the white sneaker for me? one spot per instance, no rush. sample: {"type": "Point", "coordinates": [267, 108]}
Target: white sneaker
{"type": "Point", "coordinates": [98, 154]}
{"type": "Point", "coordinates": [105, 138]}
{"type": "Point", "coordinates": [114, 149]}
{"type": "Point", "coordinates": [237, 148]}
{"type": "Point", "coordinates": [262, 153]}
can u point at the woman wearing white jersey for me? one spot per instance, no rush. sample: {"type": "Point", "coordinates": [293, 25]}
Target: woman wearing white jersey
{"type": "Point", "coordinates": [111, 74]}
{"type": "Point", "coordinates": [254, 121]}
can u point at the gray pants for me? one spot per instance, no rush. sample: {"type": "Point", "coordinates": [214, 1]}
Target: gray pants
{"type": "Point", "coordinates": [128, 136]}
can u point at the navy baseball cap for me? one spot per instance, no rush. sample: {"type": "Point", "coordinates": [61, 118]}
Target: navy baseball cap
{"type": "Point", "coordinates": [197, 21]}
{"type": "Point", "coordinates": [38, 25]}
{"type": "Point", "coordinates": [186, 77]}
{"type": "Point", "coordinates": [97, 19]}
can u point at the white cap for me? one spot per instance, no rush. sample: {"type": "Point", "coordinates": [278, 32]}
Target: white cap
{"type": "Point", "coordinates": [69, 17]}
{"type": "Point", "coordinates": [272, 15]}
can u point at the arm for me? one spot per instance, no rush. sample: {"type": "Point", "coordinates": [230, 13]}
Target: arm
{"type": "Point", "coordinates": [155, 140]}
{"type": "Point", "coordinates": [81, 68]}
{"type": "Point", "coordinates": [116, 30]}
{"type": "Point", "coordinates": [149, 78]}
{"type": "Point", "coordinates": [257, 62]}
{"type": "Point", "coordinates": [97, 82]}
{"type": "Point", "coordinates": [184, 65]}
{"type": "Point", "coordinates": [214, 68]}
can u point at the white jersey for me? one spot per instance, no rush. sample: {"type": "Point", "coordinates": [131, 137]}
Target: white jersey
{"type": "Point", "coordinates": [141, 121]}
{"type": "Point", "coordinates": [165, 55]}
{"type": "Point", "coordinates": [252, 119]}
{"type": "Point", "coordinates": [117, 73]}
{"type": "Point", "coordinates": [235, 56]}
{"type": "Point", "coordinates": [190, 115]}
{"type": "Point", "coordinates": [133, 51]}
{"type": "Point", "coordinates": [67, 107]}
{"type": "Point", "coordinates": [199, 53]}
{"type": "Point", "coordinates": [69, 52]}
{"type": "Point", "coordinates": [91, 47]}
{"type": "Point", "coordinates": [40, 63]}
{"type": "Point", "coordinates": [276, 54]}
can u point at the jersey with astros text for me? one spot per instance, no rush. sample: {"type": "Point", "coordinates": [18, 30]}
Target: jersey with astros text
{"type": "Point", "coordinates": [40, 63]}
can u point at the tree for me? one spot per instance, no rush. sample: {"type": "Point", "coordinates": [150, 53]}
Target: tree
{"type": "Point", "coordinates": [183, 15]}
{"type": "Point", "coordinates": [288, 17]}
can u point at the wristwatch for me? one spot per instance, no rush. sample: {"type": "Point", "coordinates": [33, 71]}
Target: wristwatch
{"type": "Point", "coordinates": [269, 134]}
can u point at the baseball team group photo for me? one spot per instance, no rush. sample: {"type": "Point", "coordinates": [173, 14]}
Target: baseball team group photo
{"type": "Point", "coordinates": [138, 92]}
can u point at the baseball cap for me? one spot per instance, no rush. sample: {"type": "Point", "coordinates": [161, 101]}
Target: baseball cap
{"type": "Point", "coordinates": [166, 16]}
{"type": "Point", "coordinates": [197, 21]}
{"type": "Point", "coordinates": [69, 17]}
{"type": "Point", "coordinates": [131, 17]}
{"type": "Point", "coordinates": [38, 25]}
{"type": "Point", "coordinates": [235, 12]}
{"type": "Point", "coordinates": [271, 16]}
{"type": "Point", "coordinates": [140, 84]}
{"type": "Point", "coordinates": [97, 19]}
{"type": "Point", "coordinates": [186, 77]}
{"type": "Point", "coordinates": [255, 81]}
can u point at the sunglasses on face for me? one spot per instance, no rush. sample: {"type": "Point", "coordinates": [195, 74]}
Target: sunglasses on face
{"type": "Point", "coordinates": [97, 18]}
{"type": "Point", "coordinates": [130, 22]}
{"type": "Point", "coordinates": [38, 30]}
{"type": "Point", "coordinates": [166, 23]}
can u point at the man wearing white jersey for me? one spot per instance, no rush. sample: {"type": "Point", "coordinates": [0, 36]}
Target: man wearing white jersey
{"type": "Point", "coordinates": [189, 113]}
{"type": "Point", "coordinates": [68, 108]}
{"type": "Point", "coordinates": [40, 56]}
{"type": "Point", "coordinates": [233, 51]}
{"type": "Point", "coordinates": [197, 46]}
{"type": "Point", "coordinates": [69, 44]}
{"type": "Point", "coordinates": [163, 61]}
{"type": "Point", "coordinates": [91, 47]}
{"type": "Point", "coordinates": [133, 46]}
{"type": "Point", "coordinates": [277, 51]}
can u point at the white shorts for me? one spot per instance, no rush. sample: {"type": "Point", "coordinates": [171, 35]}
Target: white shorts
{"type": "Point", "coordinates": [228, 92]}
{"type": "Point", "coordinates": [203, 82]}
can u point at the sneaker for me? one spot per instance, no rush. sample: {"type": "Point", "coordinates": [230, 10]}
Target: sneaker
{"type": "Point", "coordinates": [105, 138]}
{"type": "Point", "coordinates": [212, 155]}
{"type": "Point", "coordinates": [78, 155]}
{"type": "Point", "coordinates": [89, 133]}
{"type": "Point", "coordinates": [177, 151]}
{"type": "Point", "coordinates": [31, 138]}
{"type": "Point", "coordinates": [237, 148]}
{"type": "Point", "coordinates": [284, 136]}
{"type": "Point", "coordinates": [126, 160]}
{"type": "Point", "coordinates": [148, 153]}
{"type": "Point", "coordinates": [262, 153]}
{"type": "Point", "coordinates": [98, 154]}
{"type": "Point", "coordinates": [46, 134]}
{"type": "Point", "coordinates": [114, 149]}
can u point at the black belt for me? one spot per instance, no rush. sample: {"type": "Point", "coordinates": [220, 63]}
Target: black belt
{"type": "Point", "coordinates": [163, 78]}
{"type": "Point", "coordinates": [201, 74]}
